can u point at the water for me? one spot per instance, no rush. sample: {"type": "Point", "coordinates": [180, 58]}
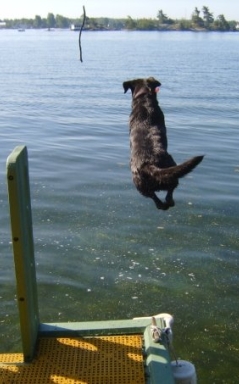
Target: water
{"type": "Point", "coordinates": [102, 250]}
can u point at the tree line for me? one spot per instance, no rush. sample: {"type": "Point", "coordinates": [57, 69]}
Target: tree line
{"type": "Point", "coordinates": [200, 20]}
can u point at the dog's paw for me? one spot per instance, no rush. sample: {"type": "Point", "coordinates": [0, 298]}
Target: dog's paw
{"type": "Point", "coordinates": [165, 206]}
{"type": "Point", "coordinates": [162, 206]}
{"type": "Point", "coordinates": [170, 203]}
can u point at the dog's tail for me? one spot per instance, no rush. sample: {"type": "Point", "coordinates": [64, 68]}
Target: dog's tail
{"type": "Point", "coordinates": [171, 174]}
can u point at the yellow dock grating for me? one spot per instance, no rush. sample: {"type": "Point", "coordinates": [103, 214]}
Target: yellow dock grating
{"type": "Point", "coordinates": [93, 360]}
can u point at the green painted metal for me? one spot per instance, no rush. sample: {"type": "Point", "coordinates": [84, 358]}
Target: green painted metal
{"type": "Point", "coordinates": [93, 328]}
{"type": "Point", "coordinates": [157, 359]}
{"type": "Point", "coordinates": [23, 248]}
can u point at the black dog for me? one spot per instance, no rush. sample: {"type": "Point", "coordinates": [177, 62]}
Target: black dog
{"type": "Point", "coordinates": [153, 168]}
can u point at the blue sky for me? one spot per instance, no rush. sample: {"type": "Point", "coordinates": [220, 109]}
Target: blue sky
{"type": "Point", "coordinates": [116, 8]}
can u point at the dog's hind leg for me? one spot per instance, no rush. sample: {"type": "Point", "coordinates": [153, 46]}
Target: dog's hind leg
{"type": "Point", "coordinates": [169, 198]}
{"type": "Point", "coordinates": [160, 204]}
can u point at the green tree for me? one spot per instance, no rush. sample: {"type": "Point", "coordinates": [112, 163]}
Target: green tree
{"type": "Point", "coordinates": [221, 23]}
{"type": "Point", "coordinates": [162, 18]}
{"type": "Point", "coordinates": [116, 23]}
{"type": "Point", "coordinates": [93, 23]}
{"type": "Point", "coordinates": [44, 23]}
{"type": "Point", "coordinates": [196, 19]}
{"type": "Point", "coordinates": [207, 16]}
{"type": "Point", "coordinates": [61, 22]}
{"type": "Point", "coordinates": [184, 24]}
{"type": "Point", "coordinates": [130, 23]}
{"type": "Point", "coordinates": [37, 23]}
{"type": "Point", "coordinates": [51, 22]}
{"type": "Point", "coordinates": [105, 22]}
{"type": "Point", "coordinates": [102, 22]}
{"type": "Point", "coordinates": [146, 24]}
{"type": "Point", "coordinates": [233, 25]}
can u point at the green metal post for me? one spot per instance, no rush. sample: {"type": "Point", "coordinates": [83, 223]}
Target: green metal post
{"type": "Point", "coordinates": [157, 360]}
{"type": "Point", "coordinates": [23, 248]}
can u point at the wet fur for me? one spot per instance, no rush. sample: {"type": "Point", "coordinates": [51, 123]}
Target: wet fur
{"type": "Point", "coordinates": [153, 168]}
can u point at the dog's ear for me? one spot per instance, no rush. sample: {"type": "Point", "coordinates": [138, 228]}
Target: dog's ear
{"type": "Point", "coordinates": [153, 83]}
{"type": "Point", "coordinates": [127, 85]}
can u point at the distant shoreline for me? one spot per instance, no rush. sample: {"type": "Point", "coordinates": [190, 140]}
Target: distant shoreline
{"type": "Point", "coordinates": [204, 23]}
{"type": "Point", "coordinates": [118, 29]}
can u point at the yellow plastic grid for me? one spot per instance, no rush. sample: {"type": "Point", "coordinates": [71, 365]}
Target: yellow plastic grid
{"type": "Point", "coordinates": [94, 360]}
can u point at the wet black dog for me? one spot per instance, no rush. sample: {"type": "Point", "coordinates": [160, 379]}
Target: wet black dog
{"type": "Point", "coordinates": [153, 168]}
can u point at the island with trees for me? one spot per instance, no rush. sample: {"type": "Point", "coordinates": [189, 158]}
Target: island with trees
{"type": "Point", "coordinates": [201, 20]}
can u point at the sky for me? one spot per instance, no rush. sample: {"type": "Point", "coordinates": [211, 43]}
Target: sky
{"type": "Point", "coordinates": [175, 9]}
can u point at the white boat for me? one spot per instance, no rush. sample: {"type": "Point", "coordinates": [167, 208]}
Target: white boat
{"type": "Point", "coordinates": [75, 27]}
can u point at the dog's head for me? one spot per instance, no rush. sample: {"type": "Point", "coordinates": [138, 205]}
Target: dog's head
{"type": "Point", "coordinates": [140, 87]}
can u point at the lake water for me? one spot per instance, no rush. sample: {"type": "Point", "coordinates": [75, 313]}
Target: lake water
{"type": "Point", "coordinates": [102, 250]}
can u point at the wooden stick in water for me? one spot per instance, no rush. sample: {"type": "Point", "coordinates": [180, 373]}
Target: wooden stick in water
{"type": "Point", "coordinates": [82, 26]}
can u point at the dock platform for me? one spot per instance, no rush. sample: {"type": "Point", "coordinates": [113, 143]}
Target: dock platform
{"type": "Point", "coordinates": [100, 352]}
